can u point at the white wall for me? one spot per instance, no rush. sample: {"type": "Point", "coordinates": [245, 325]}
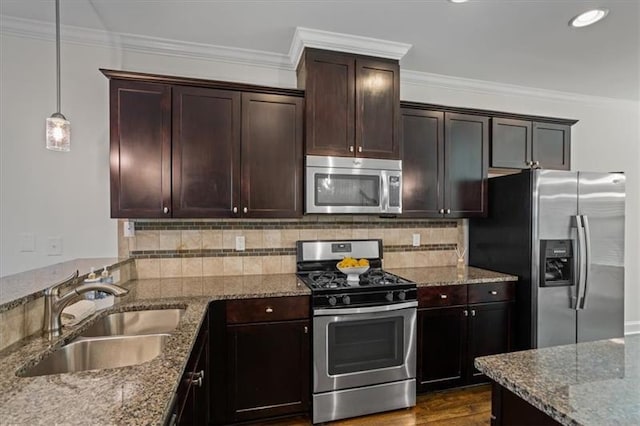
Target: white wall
{"type": "Point", "coordinates": [57, 194]}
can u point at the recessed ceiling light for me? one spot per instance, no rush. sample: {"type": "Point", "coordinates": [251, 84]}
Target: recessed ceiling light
{"type": "Point", "coordinates": [458, 1]}
{"type": "Point", "coordinates": [589, 17]}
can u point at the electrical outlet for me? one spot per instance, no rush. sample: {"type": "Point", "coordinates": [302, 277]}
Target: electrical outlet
{"type": "Point", "coordinates": [54, 246]}
{"type": "Point", "coordinates": [416, 240]}
{"type": "Point", "coordinates": [240, 243]}
{"type": "Point", "coordinates": [129, 229]}
{"type": "Point", "coordinates": [27, 242]}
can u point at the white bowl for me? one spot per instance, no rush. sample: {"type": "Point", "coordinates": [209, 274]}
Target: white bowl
{"type": "Point", "coordinates": [353, 274]}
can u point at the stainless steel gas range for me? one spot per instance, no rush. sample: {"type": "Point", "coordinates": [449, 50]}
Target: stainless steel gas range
{"type": "Point", "coordinates": [364, 332]}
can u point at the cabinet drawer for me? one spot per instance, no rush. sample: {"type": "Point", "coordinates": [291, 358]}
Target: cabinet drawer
{"type": "Point", "coordinates": [491, 292]}
{"type": "Point", "coordinates": [267, 309]}
{"type": "Point", "coordinates": [448, 295]}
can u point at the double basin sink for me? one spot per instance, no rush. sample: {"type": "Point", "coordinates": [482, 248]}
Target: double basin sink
{"type": "Point", "coordinates": [116, 340]}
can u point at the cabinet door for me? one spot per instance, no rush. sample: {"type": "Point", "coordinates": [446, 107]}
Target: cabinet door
{"type": "Point", "coordinates": [206, 152]}
{"type": "Point", "coordinates": [271, 155]}
{"type": "Point", "coordinates": [140, 149]}
{"type": "Point", "coordinates": [552, 146]}
{"type": "Point", "coordinates": [192, 400]}
{"type": "Point", "coordinates": [330, 109]}
{"type": "Point", "coordinates": [268, 368]}
{"type": "Point", "coordinates": [466, 161]}
{"type": "Point", "coordinates": [422, 162]}
{"type": "Point", "coordinates": [511, 143]}
{"type": "Point", "coordinates": [442, 335]}
{"type": "Point", "coordinates": [377, 108]}
{"type": "Point", "coordinates": [490, 332]}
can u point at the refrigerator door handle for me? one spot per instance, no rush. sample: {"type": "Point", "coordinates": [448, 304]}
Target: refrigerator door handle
{"type": "Point", "coordinates": [587, 259]}
{"type": "Point", "coordinates": [577, 223]}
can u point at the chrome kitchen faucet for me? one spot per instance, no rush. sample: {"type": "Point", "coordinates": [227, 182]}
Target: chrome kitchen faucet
{"type": "Point", "coordinates": [54, 303]}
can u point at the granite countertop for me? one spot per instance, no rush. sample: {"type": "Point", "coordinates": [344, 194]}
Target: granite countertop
{"type": "Point", "coordinates": [595, 383]}
{"type": "Point", "coordinates": [23, 287]}
{"type": "Point", "coordinates": [140, 394]}
{"type": "Point", "coordinates": [450, 275]}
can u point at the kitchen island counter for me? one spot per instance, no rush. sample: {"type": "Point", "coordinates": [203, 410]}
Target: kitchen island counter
{"type": "Point", "coordinates": [450, 275]}
{"type": "Point", "coordinates": [594, 383]}
{"type": "Point", "coordinates": [138, 394]}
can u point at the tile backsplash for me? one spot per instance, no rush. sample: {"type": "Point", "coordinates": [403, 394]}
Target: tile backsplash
{"type": "Point", "coordinates": [191, 248]}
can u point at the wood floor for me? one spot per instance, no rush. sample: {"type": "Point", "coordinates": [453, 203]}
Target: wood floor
{"type": "Point", "coordinates": [461, 407]}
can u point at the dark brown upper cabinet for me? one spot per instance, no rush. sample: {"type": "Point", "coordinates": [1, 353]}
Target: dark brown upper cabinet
{"type": "Point", "coordinates": [206, 152]}
{"type": "Point", "coordinates": [523, 144]}
{"type": "Point", "coordinates": [271, 155]}
{"type": "Point", "coordinates": [445, 164]}
{"type": "Point", "coordinates": [193, 148]}
{"type": "Point", "coordinates": [552, 146]}
{"type": "Point", "coordinates": [352, 104]}
{"type": "Point", "coordinates": [140, 119]}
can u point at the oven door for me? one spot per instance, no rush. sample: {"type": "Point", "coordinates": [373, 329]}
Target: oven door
{"type": "Point", "coordinates": [355, 347]}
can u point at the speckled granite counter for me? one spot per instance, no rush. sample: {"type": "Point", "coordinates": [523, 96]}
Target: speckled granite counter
{"type": "Point", "coordinates": [25, 286]}
{"type": "Point", "coordinates": [450, 275]}
{"type": "Point", "coordinates": [139, 394]}
{"type": "Point", "coordinates": [596, 383]}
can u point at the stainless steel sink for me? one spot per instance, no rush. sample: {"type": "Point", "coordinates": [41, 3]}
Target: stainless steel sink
{"type": "Point", "coordinates": [136, 323]}
{"type": "Point", "coordinates": [99, 353]}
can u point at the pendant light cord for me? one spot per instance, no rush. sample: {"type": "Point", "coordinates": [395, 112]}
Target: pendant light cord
{"type": "Point", "coordinates": [58, 53]}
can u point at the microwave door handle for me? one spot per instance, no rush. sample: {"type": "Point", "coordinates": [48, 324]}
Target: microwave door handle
{"type": "Point", "coordinates": [384, 189]}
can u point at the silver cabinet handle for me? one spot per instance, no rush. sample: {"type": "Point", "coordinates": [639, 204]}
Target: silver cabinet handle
{"type": "Point", "coordinates": [165, 210]}
{"type": "Point", "coordinates": [359, 149]}
{"type": "Point", "coordinates": [306, 329]}
{"type": "Point", "coordinates": [493, 292]}
{"type": "Point", "coordinates": [441, 211]}
{"type": "Point", "coordinates": [351, 148]}
{"type": "Point", "coordinates": [443, 296]}
{"type": "Point", "coordinates": [196, 378]}
{"type": "Point", "coordinates": [448, 211]}
{"type": "Point", "coordinates": [466, 313]}
{"type": "Point", "coordinates": [473, 312]}
{"type": "Point", "coordinates": [269, 310]}
{"type": "Point", "coordinates": [235, 210]}
{"type": "Point", "coordinates": [245, 210]}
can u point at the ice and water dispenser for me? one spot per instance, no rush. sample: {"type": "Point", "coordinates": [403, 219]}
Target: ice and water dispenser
{"type": "Point", "coordinates": [556, 263]}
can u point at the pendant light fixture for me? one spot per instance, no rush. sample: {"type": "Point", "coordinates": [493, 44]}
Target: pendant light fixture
{"type": "Point", "coordinates": [58, 127]}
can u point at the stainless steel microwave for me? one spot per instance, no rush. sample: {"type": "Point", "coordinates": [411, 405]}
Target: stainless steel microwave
{"type": "Point", "coordinates": [353, 185]}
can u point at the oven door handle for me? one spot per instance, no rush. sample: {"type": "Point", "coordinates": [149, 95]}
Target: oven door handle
{"type": "Point", "coordinates": [365, 310]}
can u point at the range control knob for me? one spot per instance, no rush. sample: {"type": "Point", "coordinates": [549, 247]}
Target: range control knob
{"type": "Point", "coordinates": [389, 296]}
{"type": "Point", "coordinates": [402, 295]}
{"type": "Point", "coordinates": [346, 300]}
{"type": "Point", "coordinates": [332, 300]}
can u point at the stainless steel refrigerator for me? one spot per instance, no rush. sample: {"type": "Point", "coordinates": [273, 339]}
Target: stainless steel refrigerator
{"type": "Point", "coordinates": [562, 233]}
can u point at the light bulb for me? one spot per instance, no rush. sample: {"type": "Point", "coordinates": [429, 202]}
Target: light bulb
{"type": "Point", "coordinates": [58, 133]}
{"type": "Point", "coordinates": [589, 17]}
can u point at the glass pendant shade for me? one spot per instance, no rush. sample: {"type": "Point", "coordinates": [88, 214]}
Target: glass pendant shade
{"type": "Point", "coordinates": [58, 133]}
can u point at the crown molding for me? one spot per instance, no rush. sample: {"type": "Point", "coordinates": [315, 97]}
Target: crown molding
{"type": "Point", "coordinates": [307, 37]}
{"type": "Point", "coordinates": [468, 85]}
{"type": "Point", "coordinates": [303, 37]}
{"type": "Point", "coordinates": [41, 30]}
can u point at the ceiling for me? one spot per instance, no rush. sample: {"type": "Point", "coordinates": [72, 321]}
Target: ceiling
{"type": "Point", "coordinates": [521, 42]}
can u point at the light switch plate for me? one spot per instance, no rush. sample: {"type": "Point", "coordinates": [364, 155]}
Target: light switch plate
{"type": "Point", "coordinates": [129, 229]}
{"type": "Point", "coordinates": [416, 240]}
{"type": "Point", "coordinates": [240, 243]}
{"type": "Point", "coordinates": [27, 242]}
{"type": "Point", "coordinates": [54, 246]}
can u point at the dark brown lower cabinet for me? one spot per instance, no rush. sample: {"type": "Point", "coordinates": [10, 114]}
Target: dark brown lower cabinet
{"type": "Point", "coordinates": [268, 367]}
{"type": "Point", "coordinates": [509, 409]}
{"type": "Point", "coordinates": [192, 397]}
{"type": "Point", "coordinates": [452, 333]}
{"type": "Point", "coordinates": [490, 333]}
{"type": "Point", "coordinates": [441, 348]}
